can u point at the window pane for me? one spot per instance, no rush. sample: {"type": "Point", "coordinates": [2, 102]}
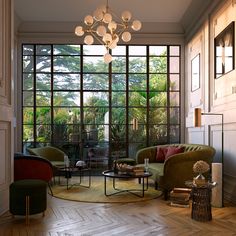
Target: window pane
{"type": "Point", "coordinates": [96, 98]}
{"type": "Point", "coordinates": [69, 115]}
{"type": "Point", "coordinates": [137, 50]}
{"type": "Point", "coordinates": [119, 65]}
{"type": "Point", "coordinates": [28, 50]}
{"type": "Point", "coordinates": [174, 50]}
{"type": "Point", "coordinates": [66, 64]}
{"type": "Point", "coordinates": [158, 50]}
{"type": "Point", "coordinates": [28, 115]}
{"type": "Point", "coordinates": [118, 82]}
{"type": "Point", "coordinates": [174, 134]}
{"type": "Point", "coordinates": [94, 50]}
{"type": "Point", "coordinates": [95, 115]}
{"type": "Point", "coordinates": [158, 65]}
{"type": "Point", "coordinates": [158, 82]}
{"type": "Point", "coordinates": [137, 136]}
{"type": "Point", "coordinates": [28, 81]}
{"type": "Point", "coordinates": [119, 50]}
{"type": "Point", "coordinates": [139, 113]}
{"type": "Point", "coordinates": [28, 98]}
{"type": "Point", "coordinates": [137, 81]}
{"type": "Point", "coordinates": [174, 64]}
{"type": "Point", "coordinates": [43, 81]}
{"type": "Point", "coordinates": [43, 133]}
{"type": "Point", "coordinates": [66, 81]}
{"type": "Point", "coordinates": [138, 98]}
{"type": "Point", "coordinates": [43, 49]}
{"type": "Point", "coordinates": [118, 99]}
{"type": "Point", "coordinates": [95, 64]}
{"type": "Point", "coordinates": [158, 116]}
{"type": "Point", "coordinates": [95, 82]}
{"type": "Point", "coordinates": [43, 98]}
{"type": "Point", "coordinates": [28, 64]}
{"type": "Point", "coordinates": [158, 134]}
{"type": "Point", "coordinates": [43, 115]}
{"type": "Point", "coordinates": [118, 115]}
{"type": "Point", "coordinates": [174, 82]}
{"type": "Point", "coordinates": [66, 98]}
{"type": "Point", "coordinates": [28, 133]}
{"type": "Point", "coordinates": [66, 49]}
{"type": "Point", "coordinates": [174, 115]}
{"type": "Point", "coordinates": [137, 64]}
{"type": "Point", "coordinates": [43, 64]}
{"type": "Point", "coordinates": [174, 99]}
{"type": "Point", "coordinates": [158, 99]}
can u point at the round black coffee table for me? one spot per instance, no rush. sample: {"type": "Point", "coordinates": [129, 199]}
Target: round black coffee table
{"type": "Point", "coordinates": [115, 176]}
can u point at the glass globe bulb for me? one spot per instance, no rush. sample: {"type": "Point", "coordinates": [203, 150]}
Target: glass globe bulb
{"type": "Point", "coordinates": [112, 26]}
{"type": "Point", "coordinates": [126, 16]}
{"type": "Point", "coordinates": [101, 30]}
{"type": "Point", "coordinates": [107, 58]}
{"type": "Point", "coordinates": [126, 36]}
{"type": "Point", "coordinates": [112, 45]}
{"type": "Point", "coordinates": [136, 25]}
{"type": "Point", "coordinates": [107, 18]}
{"type": "Point", "coordinates": [88, 20]}
{"type": "Point", "coordinates": [98, 14]}
{"type": "Point", "coordinates": [115, 38]}
{"type": "Point", "coordinates": [88, 39]}
{"type": "Point", "coordinates": [79, 31]}
{"type": "Point", "coordinates": [107, 38]}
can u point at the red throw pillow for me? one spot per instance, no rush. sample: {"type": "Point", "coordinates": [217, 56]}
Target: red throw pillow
{"type": "Point", "coordinates": [172, 151]}
{"type": "Point", "coordinates": [161, 154]}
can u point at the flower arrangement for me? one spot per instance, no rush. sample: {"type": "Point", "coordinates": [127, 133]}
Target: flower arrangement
{"type": "Point", "coordinates": [201, 167]}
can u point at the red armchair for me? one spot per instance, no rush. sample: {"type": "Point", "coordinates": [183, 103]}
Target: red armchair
{"type": "Point", "coordinates": [32, 167]}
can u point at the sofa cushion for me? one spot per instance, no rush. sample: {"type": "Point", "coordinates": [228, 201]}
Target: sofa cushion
{"type": "Point", "coordinates": [172, 151]}
{"type": "Point", "coordinates": [161, 154]}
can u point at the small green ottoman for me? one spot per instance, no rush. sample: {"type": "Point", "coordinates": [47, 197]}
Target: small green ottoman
{"type": "Point", "coordinates": [28, 197]}
{"type": "Point", "coordinates": [128, 161]}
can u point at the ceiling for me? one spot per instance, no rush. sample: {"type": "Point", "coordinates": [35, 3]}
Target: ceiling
{"type": "Point", "coordinates": [181, 12]}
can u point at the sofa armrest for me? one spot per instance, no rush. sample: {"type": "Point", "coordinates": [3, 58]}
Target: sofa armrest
{"type": "Point", "coordinates": [149, 152]}
{"type": "Point", "coordinates": [182, 164]}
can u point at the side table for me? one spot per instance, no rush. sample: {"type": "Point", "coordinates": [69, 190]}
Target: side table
{"type": "Point", "coordinates": [201, 201]}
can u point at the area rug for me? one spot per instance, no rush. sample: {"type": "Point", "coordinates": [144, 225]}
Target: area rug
{"type": "Point", "coordinates": [96, 191]}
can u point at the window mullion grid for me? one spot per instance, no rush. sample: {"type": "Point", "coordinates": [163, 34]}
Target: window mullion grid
{"type": "Point", "coordinates": [168, 94]}
{"type": "Point", "coordinates": [110, 161]}
{"type": "Point", "coordinates": [35, 95]}
{"type": "Point", "coordinates": [127, 101]}
{"type": "Point", "coordinates": [52, 95]}
{"type": "Point", "coordinates": [148, 105]}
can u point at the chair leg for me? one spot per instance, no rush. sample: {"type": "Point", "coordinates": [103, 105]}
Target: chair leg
{"type": "Point", "coordinates": [166, 194]}
{"type": "Point", "coordinates": [27, 210]}
{"type": "Point", "coordinates": [50, 188]}
{"type": "Point", "coordinates": [156, 185]}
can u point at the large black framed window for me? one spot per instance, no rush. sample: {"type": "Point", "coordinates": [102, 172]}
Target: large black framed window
{"type": "Point", "coordinates": [70, 96]}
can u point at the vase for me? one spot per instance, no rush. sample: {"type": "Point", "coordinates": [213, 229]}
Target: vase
{"type": "Point", "coordinates": [199, 180]}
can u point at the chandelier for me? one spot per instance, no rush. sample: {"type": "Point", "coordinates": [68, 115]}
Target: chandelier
{"type": "Point", "coordinates": [107, 28]}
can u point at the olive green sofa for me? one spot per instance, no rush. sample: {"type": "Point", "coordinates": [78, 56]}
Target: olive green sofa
{"type": "Point", "coordinates": [178, 168]}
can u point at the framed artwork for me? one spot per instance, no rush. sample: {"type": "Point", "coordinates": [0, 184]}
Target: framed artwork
{"type": "Point", "coordinates": [195, 73]}
{"type": "Point", "coordinates": [224, 51]}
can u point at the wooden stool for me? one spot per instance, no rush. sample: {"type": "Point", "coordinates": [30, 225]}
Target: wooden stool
{"type": "Point", "coordinates": [27, 197]}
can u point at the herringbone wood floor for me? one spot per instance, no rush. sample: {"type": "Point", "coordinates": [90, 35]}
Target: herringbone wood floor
{"type": "Point", "coordinates": [153, 217]}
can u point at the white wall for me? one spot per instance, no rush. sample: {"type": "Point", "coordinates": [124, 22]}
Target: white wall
{"type": "Point", "coordinates": [214, 95]}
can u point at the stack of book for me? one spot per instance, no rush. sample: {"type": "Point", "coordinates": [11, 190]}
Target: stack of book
{"type": "Point", "coordinates": [130, 170]}
{"type": "Point", "coordinates": [180, 197]}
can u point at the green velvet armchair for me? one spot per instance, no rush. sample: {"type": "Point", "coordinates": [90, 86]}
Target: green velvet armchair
{"type": "Point", "coordinates": [177, 169]}
{"type": "Point", "coordinates": [53, 154]}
